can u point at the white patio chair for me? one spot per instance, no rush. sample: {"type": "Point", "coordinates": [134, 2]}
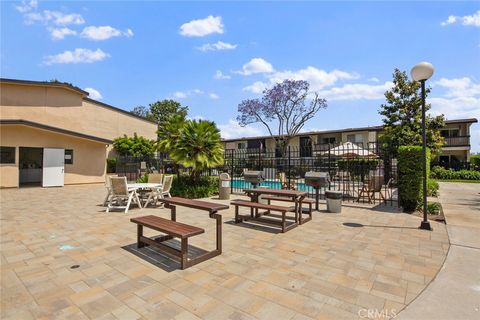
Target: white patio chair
{"type": "Point", "coordinates": [108, 186]}
{"type": "Point", "coordinates": [155, 178]}
{"type": "Point", "coordinates": [121, 193]}
{"type": "Point", "coordinates": [161, 192]}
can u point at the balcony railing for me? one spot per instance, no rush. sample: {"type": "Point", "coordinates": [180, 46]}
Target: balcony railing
{"type": "Point", "coordinates": [457, 141]}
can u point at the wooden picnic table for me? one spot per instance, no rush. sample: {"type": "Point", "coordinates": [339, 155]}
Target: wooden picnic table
{"type": "Point", "coordinates": [297, 197]}
{"type": "Point", "coordinates": [212, 209]}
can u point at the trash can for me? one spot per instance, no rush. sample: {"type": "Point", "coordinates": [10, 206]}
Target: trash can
{"type": "Point", "coordinates": [224, 186]}
{"type": "Point", "coordinates": [334, 201]}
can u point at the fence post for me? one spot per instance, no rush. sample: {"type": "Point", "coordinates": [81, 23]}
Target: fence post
{"type": "Point", "coordinates": [232, 171]}
{"type": "Point", "coordinates": [329, 168]}
{"type": "Point", "coordinates": [289, 168]}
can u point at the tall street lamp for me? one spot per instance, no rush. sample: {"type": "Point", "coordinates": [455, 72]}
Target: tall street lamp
{"type": "Point", "coordinates": [422, 72]}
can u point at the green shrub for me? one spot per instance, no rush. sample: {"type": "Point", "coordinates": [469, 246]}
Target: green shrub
{"type": "Point", "coordinates": [475, 161]}
{"type": "Point", "coordinates": [184, 187]}
{"type": "Point", "coordinates": [111, 165]}
{"type": "Point", "coordinates": [450, 174]}
{"type": "Point", "coordinates": [143, 179]}
{"type": "Point", "coordinates": [410, 174]}
{"type": "Point", "coordinates": [434, 208]}
{"type": "Point", "coordinates": [432, 188]}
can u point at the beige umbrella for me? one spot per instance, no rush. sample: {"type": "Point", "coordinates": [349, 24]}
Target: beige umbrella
{"type": "Point", "coordinates": [349, 149]}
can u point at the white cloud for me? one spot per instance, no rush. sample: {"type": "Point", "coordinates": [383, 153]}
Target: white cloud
{"type": "Point", "coordinates": [94, 94]}
{"type": "Point", "coordinates": [26, 6]}
{"type": "Point", "coordinates": [79, 55]}
{"type": "Point", "coordinates": [104, 32]}
{"type": "Point", "coordinates": [317, 78]}
{"type": "Point", "coordinates": [232, 130]}
{"type": "Point", "coordinates": [213, 96]}
{"type": "Point", "coordinates": [374, 79]}
{"type": "Point", "coordinates": [220, 76]}
{"type": "Point", "coordinates": [219, 45]}
{"type": "Point", "coordinates": [185, 94]}
{"type": "Point", "coordinates": [180, 94]}
{"type": "Point", "coordinates": [356, 91]}
{"type": "Point", "coordinates": [202, 27]}
{"type": "Point", "coordinates": [61, 33]}
{"type": "Point", "coordinates": [256, 87]}
{"type": "Point", "coordinates": [454, 108]}
{"type": "Point", "coordinates": [256, 65]}
{"type": "Point", "coordinates": [55, 17]}
{"type": "Point", "coordinates": [472, 20]}
{"type": "Point", "coordinates": [459, 87]}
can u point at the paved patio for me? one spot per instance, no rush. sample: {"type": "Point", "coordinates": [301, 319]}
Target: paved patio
{"type": "Point", "coordinates": [325, 269]}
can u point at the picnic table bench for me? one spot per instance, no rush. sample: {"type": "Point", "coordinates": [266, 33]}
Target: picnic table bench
{"type": "Point", "coordinates": [255, 205]}
{"type": "Point", "coordinates": [308, 201]}
{"type": "Point", "coordinates": [173, 229]}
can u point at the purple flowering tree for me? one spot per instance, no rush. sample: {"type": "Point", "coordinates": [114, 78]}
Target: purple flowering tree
{"type": "Point", "coordinates": [283, 110]}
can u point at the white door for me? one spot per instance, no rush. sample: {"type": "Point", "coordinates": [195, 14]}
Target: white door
{"type": "Point", "coordinates": [53, 167]}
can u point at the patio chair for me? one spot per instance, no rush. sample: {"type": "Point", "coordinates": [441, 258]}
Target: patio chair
{"type": "Point", "coordinates": [108, 186]}
{"type": "Point", "coordinates": [161, 192]}
{"type": "Point", "coordinates": [121, 193]}
{"type": "Point", "coordinates": [373, 186]}
{"type": "Point", "coordinates": [388, 188]}
{"type": "Point", "coordinates": [155, 178]}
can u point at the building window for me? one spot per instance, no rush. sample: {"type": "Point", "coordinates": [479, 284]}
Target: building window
{"type": "Point", "coordinates": [331, 140]}
{"type": "Point", "coordinates": [355, 138]}
{"type": "Point", "coordinates": [241, 145]}
{"type": "Point", "coordinates": [7, 154]}
{"type": "Point", "coordinates": [68, 156]}
{"type": "Point", "coordinates": [450, 133]}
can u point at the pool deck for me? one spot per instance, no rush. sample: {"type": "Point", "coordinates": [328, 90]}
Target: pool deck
{"type": "Point", "coordinates": [337, 266]}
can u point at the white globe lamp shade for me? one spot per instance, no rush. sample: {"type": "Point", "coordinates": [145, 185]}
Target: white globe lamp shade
{"type": "Point", "coordinates": [422, 71]}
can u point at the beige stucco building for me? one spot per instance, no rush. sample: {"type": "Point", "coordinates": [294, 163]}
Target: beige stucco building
{"type": "Point", "coordinates": [39, 119]}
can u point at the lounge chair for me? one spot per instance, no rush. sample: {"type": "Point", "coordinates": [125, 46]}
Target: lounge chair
{"type": "Point", "coordinates": [121, 193]}
{"type": "Point", "coordinates": [284, 181]}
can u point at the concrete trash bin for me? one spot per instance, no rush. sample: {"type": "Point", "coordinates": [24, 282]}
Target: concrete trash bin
{"type": "Point", "coordinates": [334, 201]}
{"type": "Point", "coordinates": [224, 186]}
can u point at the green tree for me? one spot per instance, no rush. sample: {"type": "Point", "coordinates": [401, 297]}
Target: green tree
{"type": "Point", "coordinates": [402, 117]}
{"type": "Point", "coordinates": [136, 146]}
{"type": "Point", "coordinates": [161, 110]}
{"type": "Point", "coordinates": [141, 111]}
{"type": "Point", "coordinates": [169, 133]}
{"type": "Point", "coordinates": [199, 147]}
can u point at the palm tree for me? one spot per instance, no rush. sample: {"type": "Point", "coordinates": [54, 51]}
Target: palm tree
{"type": "Point", "coordinates": [198, 146]}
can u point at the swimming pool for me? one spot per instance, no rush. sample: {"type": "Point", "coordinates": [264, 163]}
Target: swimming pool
{"type": "Point", "coordinates": [242, 184]}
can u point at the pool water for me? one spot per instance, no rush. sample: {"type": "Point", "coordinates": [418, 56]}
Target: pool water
{"type": "Point", "coordinates": [242, 184]}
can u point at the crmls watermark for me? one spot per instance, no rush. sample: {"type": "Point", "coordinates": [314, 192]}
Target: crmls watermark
{"type": "Point", "coordinates": [377, 314]}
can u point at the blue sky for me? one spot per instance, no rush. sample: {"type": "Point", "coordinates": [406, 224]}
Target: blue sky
{"type": "Point", "coordinates": [211, 55]}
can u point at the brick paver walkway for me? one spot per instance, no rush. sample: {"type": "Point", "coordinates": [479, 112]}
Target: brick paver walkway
{"type": "Point", "coordinates": [321, 270]}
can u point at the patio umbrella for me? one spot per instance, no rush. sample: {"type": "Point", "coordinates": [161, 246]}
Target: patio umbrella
{"type": "Point", "coordinates": [349, 149]}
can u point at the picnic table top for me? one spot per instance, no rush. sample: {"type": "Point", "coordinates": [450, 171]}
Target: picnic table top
{"type": "Point", "coordinates": [196, 204]}
{"type": "Point", "coordinates": [278, 192]}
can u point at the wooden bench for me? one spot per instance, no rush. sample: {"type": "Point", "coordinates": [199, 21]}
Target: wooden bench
{"type": "Point", "coordinates": [172, 229]}
{"type": "Point", "coordinates": [257, 217]}
{"type": "Point", "coordinates": [308, 201]}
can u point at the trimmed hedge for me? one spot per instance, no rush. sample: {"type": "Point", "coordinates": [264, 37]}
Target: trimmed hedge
{"type": "Point", "coordinates": [410, 173]}
{"type": "Point", "coordinates": [184, 187]}
{"type": "Point", "coordinates": [475, 161]}
{"type": "Point", "coordinates": [450, 174]}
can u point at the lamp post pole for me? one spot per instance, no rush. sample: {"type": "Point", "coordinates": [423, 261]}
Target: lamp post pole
{"type": "Point", "coordinates": [425, 225]}
{"type": "Point", "coordinates": [422, 72]}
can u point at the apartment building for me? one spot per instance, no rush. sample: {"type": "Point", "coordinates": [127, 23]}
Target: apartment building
{"type": "Point", "coordinates": [456, 134]}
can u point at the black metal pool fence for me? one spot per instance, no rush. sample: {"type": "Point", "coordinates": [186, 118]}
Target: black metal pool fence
{"type": "Point", "coordinates": [360, 171]}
